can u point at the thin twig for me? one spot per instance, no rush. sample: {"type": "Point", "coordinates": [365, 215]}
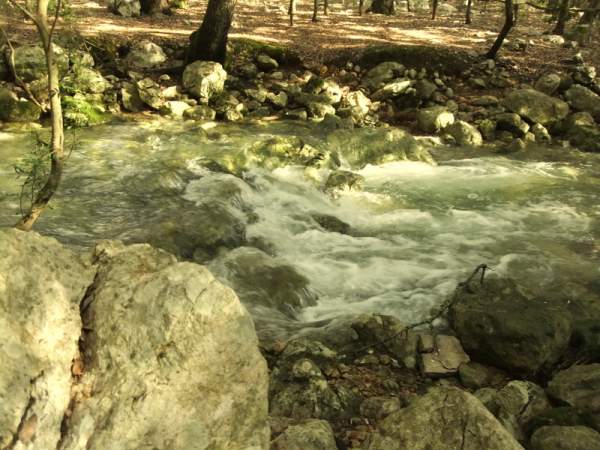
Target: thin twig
{"type": "Point", "coordinates": [56, 14]}
{"type": "Point", "coordinates": [444, 307]}
{"type": "Point", "coordinates": [11, 63]}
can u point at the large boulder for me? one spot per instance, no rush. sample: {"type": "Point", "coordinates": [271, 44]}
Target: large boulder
{"type": "Point", "coordinates": [536, 106]}
{"type": "Point", "coordinates": [444, 418]}
{"type": "Point", "coordinates": [565, 438]}
{"type": "Point", "coordinates": [312, 434]}
{"type": "Point", "coordinates": [30, 61]}
{"type": "Point", "coordinates": [499, 325]}
{"type": "Point", "coordinates": [41, 286]}
{"type": "Point", "coordinates": [15, 109]}
{"type": "Point", "coordinates": [204, 79]}
{"type": "Point", "coordinates": [583, 99]}
{"type": "Point", "coordinates": [145, 55]}
{"type": "Point", "coordinates": [377, 146]}
{"type": "Point", "coordinates": [261, 280]}
{"type": "Point", "coordinates": [577, 386]}
{"type": "Point", "coordinates": [548, 83]}
{"type": "Point", "coordinates": [161, 336]}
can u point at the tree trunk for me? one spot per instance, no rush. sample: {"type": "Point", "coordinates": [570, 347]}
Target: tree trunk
{"type": "Point", "coordinates": [434, 6]}
{"type": "Point", "coordinates": [57, 156]}
{"type": "Point", "coordinates": [325, 7]}
{"type": "Point", "coordinates": [209, 42]}
{"type": "Point", "coordinates": [408, 7]}
{"type": "Point", "coordinates": [315, 10]}
{"type": "Point", "coordinates": [383, 7]}
{"type": "Point", "coordinates": [469, 13]}
{"type": "Point", "coordinates": [292, 11]}
{"type": "Point", "coordinates": [361, 5]}
{"type": "Point", "coordinates": [508, 24]}
{"type": "Point", "coordinates": [563, 16]}
{"type": "Point", "coordinates": [590, 16]}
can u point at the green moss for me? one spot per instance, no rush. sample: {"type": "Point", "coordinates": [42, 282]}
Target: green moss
{"type": "Point", "coordinates": [80, 112]}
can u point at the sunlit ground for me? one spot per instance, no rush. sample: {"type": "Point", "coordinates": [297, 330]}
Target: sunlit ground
{"type": "Point", "coordinates": [342, 29]}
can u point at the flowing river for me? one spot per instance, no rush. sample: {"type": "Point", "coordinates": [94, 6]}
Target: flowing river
{"type": "Point", "coordinates": [417, 229]}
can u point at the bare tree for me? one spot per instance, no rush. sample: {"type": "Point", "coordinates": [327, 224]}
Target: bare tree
{"type": "Point", "coordinates": [292, 11]}
{"type": "Point", "coordinates": [563, 16]}
{"type": "Point", "coordinates": [509, 21]}
{"type": "Point", "coordinates": [37, 12]}
{"type": "Point", "coordinates": [469, 13]}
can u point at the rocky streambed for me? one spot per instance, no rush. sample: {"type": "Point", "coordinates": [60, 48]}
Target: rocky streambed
{"type": "Point", "coordinates": [334, 241]}
{"type": "Point", "coordinates": [336, 233]}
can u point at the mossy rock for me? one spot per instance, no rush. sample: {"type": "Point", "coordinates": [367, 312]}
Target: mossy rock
{"type": "Point", "coordinates": [79, 111]}
{"type": "Point", "coordinates": [252, 48]}
{"type": "Point", "coordinates": [447, 60]}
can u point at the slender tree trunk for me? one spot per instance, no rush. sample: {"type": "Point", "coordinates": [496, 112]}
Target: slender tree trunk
{"type": "Point", "coordinates": [469, 13]}
{"type": "Point", "coordinates": [209, 42]}
{"type": "Point", "coordinates": [292, 11]}
{"type": "Point", "coordinates": [408, 7]}
{"type": "Point", "coordinates": [563, 16]}
{"type": "Point", "coordinates": [325, 7]}
{"type": "Point", "coordinates": [315, 10]}
{"type": "Point", "coordinates": [516, 13]}
{"type": "Point", "coordinates": [508, 24]}
{"type": "Point", "coordinates": [361, 5]}
{"type": "Point", "coordinates": [57, 156]}
{"type": "Point", "coordinates": [434, 6]}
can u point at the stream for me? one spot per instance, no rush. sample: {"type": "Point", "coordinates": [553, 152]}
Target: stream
{"type": "Point", "coordinates": [417, 229]}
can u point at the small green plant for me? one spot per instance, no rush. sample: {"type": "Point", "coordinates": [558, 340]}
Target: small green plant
{"type": "Point", "coordinates": [33, 168]}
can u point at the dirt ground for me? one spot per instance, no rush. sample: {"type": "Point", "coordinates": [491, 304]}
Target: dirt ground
{"type": "Point", "coordinates": [343, 28]}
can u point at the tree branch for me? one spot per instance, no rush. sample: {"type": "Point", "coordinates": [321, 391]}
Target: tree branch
{"type": "Point", "coordinates": [11, 64]}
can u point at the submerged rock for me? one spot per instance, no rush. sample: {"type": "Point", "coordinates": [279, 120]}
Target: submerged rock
{"type": "Point", "coordinates": [497, 324]}
{"type": "Point", "coordinates": [41, 285]}
{"type": "Point", "coordinates": [444, 418]}
{"type": "Point", "coordinates": [261, 280]}
{"type": "Point", "coordinates": [279, 151]}
{"type": "Point", "coordinates": [163, 334]}
{"type": "Point", "coordinates": [377, 146]}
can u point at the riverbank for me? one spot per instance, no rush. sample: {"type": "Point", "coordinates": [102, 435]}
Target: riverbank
{"type": "Point", "coordinates": [452, 94]}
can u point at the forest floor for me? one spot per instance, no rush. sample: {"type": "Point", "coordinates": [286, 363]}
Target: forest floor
{"type": "Point", "coordinates": [341, 29]}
